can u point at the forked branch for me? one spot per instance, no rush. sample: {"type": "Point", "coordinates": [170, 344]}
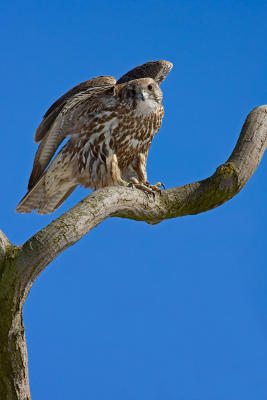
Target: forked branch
{"type": "Point", "coordinates": [228, 179]}
{"type": "Point", "coordinates": [19, 266]}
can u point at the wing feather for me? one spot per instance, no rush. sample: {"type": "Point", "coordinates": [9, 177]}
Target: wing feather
{"type": "Point", "coordinates": [66, 122]}
{"type": "Point", "coordinates": [157, 70]}
{"type": "Point", "coordinates": [62, 117]}
{"type": "Point", "coordinates": [52, 113]}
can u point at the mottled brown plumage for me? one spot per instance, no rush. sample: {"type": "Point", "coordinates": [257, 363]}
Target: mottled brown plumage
{"type": "Point", "coordinates": [110, 128]}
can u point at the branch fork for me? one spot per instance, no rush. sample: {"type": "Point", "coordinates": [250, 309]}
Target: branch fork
{"type": "Point", "coordinates": [20, 266]}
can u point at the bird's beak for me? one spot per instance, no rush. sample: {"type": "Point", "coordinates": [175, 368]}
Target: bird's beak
{"type": "Point", "coordinates": [142, 95]}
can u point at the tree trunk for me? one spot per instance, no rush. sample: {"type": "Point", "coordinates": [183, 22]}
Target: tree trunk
{"type": "Point", "coordinates": [14, 381]}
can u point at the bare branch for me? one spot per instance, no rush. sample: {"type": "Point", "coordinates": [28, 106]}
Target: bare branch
{"type": "Point", "coordinates": [193, 198]}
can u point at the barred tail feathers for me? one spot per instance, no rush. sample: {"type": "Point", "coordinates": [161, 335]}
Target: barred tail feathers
{"type": "Point", "coordinates": [37, 199]}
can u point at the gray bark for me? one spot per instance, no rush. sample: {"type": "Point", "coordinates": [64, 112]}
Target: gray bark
{"type": "Point", "coordinates": [20, 266]}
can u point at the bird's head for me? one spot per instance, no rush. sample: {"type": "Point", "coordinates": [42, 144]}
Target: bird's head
{"type": "Point", "coordinates": [140, 92]}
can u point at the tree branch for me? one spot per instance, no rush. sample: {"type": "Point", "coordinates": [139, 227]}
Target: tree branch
{"type": "Point", "coordinates": [4, 243]}
{"type": "Point", "coordinates": [193, 198]}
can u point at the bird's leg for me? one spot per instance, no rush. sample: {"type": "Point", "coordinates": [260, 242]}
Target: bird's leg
{"type": "Point", "coordinates": [148, 189]}
{"type": "Point", "coordinates": [115, 172]}
{"type": "Point", "coordinates": [139, 166]}
{"type": "Point", "coordinates": [117, 179]}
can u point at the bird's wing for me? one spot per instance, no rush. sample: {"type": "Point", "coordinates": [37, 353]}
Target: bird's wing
{"type": "Point", "coordinates": [52, 113]}
{"type": "Point", "coordinates": [60, 120]}
{"type": "Point", "coordinates": [157, 70]}
{"type": "Point", "coordinates": [67, 121]}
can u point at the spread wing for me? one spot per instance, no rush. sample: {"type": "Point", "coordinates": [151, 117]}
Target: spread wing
{"type": "Point", "coordinates": [52, 113]}
{"type": "Point", "coordinates": [157, 70]}
{"type": "Point", "coordinates": [67, 120]}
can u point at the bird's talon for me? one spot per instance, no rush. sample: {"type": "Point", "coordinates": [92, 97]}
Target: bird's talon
{"type": "Point", "coordinates": [159, 185]}
{"type": "Point", "coordinates": [156, 187]}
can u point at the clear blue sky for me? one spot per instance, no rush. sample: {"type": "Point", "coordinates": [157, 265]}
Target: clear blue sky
{"type": "Point", "coordinates": [176, 311]}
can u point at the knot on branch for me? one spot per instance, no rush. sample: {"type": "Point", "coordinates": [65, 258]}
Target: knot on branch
{"type": "Point", "coordinates": [227, 177]}
{"type": "Point", "coordinates": [226, 170]}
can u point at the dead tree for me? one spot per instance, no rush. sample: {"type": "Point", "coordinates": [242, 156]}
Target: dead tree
{"type": "Point", "coordinates": [20, 265]}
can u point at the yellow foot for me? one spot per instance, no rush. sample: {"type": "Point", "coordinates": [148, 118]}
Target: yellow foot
{"type": "Point", "coordinates": [121, 182]}
{"type": "Point", "coordinates": [157, 187]}
{"type": "Point", "coordinates": [146, 187]}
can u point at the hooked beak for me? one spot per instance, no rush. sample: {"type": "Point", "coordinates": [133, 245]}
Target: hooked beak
{"type": "Point", "coordinates": [142, 95]}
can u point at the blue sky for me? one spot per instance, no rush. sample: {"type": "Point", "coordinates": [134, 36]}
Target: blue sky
{"type": "Point", "coordinates": [175, 311]}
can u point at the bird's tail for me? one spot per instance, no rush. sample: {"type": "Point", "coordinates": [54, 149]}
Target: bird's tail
{"type": "Point", "coordinates": [38, 199]}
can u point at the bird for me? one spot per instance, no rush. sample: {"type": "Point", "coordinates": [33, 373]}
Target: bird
{"type": "Point", "coordinates": [109, 125]}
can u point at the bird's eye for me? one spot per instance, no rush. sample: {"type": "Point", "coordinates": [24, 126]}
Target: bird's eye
{"type": "Point", "coordinates": [150, 87]}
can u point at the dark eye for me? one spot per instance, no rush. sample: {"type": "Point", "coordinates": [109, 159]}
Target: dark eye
{"type": "Point", "coordinates": [150, 87]}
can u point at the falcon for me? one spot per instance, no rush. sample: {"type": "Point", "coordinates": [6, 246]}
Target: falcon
{"type": "Point", "coordinates": [109, 125]}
